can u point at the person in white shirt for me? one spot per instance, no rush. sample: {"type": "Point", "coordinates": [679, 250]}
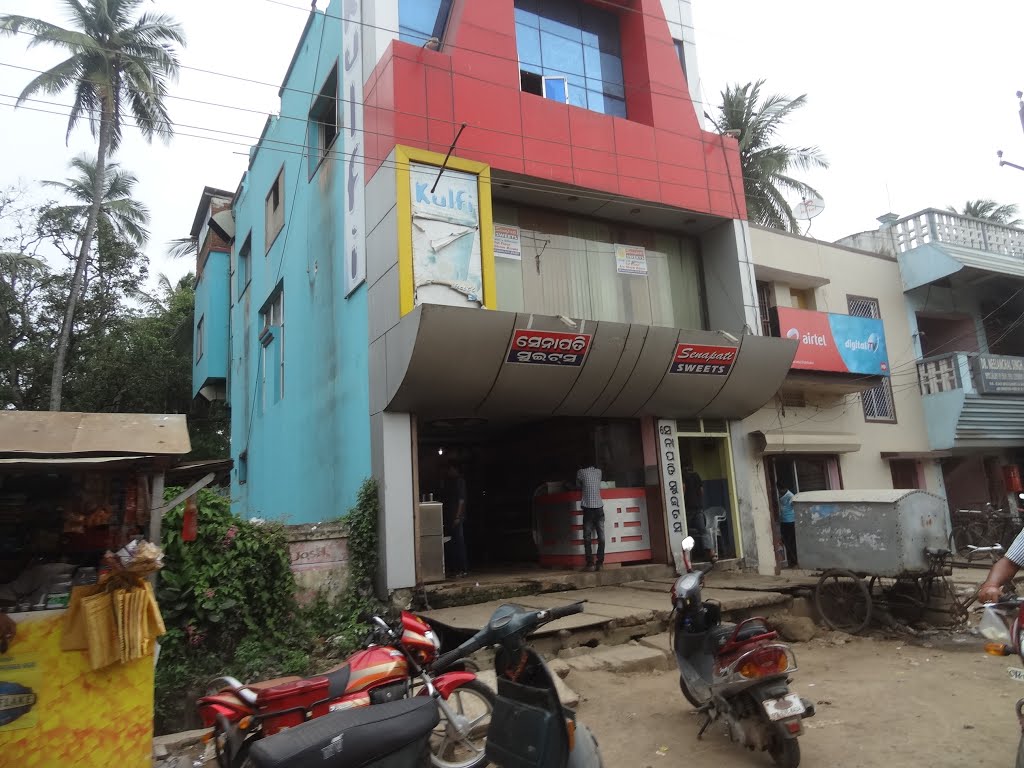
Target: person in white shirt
{"type": "Point", "coordinates": [589, 481]}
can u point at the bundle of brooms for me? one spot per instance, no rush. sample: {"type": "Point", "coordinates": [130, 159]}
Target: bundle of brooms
{"type": "Point", "coordinates": [116, 620]}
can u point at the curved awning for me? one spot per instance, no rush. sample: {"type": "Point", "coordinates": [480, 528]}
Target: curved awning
{"type": "Point", "coordinates": [806, 442]}
{"type": "Point", "coordinates": [443, 361]}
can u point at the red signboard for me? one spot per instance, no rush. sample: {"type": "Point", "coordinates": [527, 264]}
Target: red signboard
{"type": "Point", "coordinates": [548, 348]}
{"type": "Point", "coordinates": [835, 343]}
{"type": "Point", "coordinates": [703, 359]}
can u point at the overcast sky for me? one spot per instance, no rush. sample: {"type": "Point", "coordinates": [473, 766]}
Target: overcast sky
{"type": "Point", "coordinates": [909, 99]}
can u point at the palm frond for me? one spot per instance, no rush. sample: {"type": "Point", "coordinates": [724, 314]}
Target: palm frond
{"type": "Point", "coordinates": [182, 247]}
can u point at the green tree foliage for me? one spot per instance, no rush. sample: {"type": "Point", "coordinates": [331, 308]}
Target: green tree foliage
{"type": "Point", "coordinates": [765, 163]}
{"type": "Point", "coordinates": [990, 210]}
{"type": "Point", "coordinates": [127, 352]}
{"type": "Point", "coordinates": [119, 64]}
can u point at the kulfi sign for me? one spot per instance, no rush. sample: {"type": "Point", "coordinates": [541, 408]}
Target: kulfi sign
{"type": "Point", "coordinates": [548, 348]}
{"type": "Point", "coordinates": [703, 359]}
{"type": "Point", "coordinates": [445, 237]}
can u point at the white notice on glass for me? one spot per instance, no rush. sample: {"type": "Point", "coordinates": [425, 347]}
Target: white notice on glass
{"type": "Point", "coordinates": [631, 260]}
{"type": "Point", "coordinates": [507, 244]}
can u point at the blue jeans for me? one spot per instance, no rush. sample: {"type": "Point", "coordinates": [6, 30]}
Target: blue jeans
{"type": "Point", "coordinates": [593, 524]}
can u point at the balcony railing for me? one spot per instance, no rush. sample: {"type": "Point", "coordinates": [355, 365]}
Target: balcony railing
{"type": "Point", "coordinates": [943, 373]}
{"type": "Point", "coordinates": [974, 373]}
{"type": "Point", "coordinates": [937, 226]}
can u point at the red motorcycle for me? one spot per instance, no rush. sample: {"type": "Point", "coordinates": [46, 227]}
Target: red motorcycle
{"type": "Point", "coordinates": [240, 714]}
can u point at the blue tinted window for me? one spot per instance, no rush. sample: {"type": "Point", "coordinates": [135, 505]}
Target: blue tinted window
{"type": "Point", "coordinates": [576, 41]}
{"type": "Point", "coordinates": [420, 20]}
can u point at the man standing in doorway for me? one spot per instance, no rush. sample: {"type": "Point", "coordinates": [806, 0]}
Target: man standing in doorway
{"type": "Point", "coordinates": [693, 500]}
{"type": "Point", "coordinates": [455, 518]}
{"type": "Point", "coordinates": [787, 522]}
{"type": "Point", "coordinates": [589, 481]}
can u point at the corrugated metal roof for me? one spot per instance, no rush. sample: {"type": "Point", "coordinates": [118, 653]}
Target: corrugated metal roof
{"type": "Point", "coordinates": [49, 433]}
{"type": "Point", "coordinates": [879, 495]}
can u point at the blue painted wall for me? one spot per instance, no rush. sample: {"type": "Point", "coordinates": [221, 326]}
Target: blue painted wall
{"type": "Point", "coordinates": [302, 455]}
{"type": "Point", "coordinates": [212, 297]}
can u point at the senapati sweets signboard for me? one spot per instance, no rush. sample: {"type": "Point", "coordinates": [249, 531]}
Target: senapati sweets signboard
{"type": "Point", "coordinates": [998, 374]}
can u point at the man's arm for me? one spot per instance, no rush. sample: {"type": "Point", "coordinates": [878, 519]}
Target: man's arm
{"type": "Point", "coordinates": [1002, 572]}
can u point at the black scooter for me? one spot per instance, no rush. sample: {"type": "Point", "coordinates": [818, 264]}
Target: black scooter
{"type": "Point", "coordinates": [738, 673]}
{"type": "Point", "coordinates": [529, 726]}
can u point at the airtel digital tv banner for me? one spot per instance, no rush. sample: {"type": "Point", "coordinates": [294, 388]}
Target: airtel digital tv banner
{"type": "Point", "coordinates": [835, 343]}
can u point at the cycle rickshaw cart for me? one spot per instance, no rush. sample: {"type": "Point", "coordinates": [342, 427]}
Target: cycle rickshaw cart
{"type": "Point", "coordinates": [880, 552]}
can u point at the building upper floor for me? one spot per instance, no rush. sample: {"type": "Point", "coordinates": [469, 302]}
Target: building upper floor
{"type": "Point", "coordinates": [597, 95]}
{"type": "Point", "coordinates": [963, 279]}
{"type": "Point", "coordinates": [844, 305]}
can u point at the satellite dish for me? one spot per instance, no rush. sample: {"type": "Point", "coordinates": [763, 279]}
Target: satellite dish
{"type": "Point", "coordinates": [809, 207]}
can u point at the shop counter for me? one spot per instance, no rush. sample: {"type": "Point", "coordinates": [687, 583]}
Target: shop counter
{"type": "Point", "coordinates": [55, 710]}
{"type": "Point", "coordinates": [558, 527]}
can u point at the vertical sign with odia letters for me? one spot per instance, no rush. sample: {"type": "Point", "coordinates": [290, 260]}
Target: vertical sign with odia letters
{"type": "Point", "coordinates": [350, 112]}
{"type": "Point", "coordinates": [672, 489]}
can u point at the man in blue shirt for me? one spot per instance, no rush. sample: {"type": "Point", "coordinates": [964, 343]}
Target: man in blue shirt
{"type": "Point", "coordinates": [787, 521]}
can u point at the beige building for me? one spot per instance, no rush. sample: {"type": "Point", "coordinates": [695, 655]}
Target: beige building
{"type": "Point", "coordinates": [849, 414]}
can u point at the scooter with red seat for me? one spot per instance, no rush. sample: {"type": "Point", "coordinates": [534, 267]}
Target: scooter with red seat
{"type": "Point", "coordinates": [392, 668]}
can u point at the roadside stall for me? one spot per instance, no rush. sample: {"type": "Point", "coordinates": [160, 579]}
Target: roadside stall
{"type": "Point", "coordinates": [81, 497]}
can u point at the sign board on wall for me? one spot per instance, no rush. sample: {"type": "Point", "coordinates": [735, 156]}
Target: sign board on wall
{"type": "Point", "coordinates": [548, 348]}
{"type": "Point", "coordinates": [631, 260]}
{"type": "Point", "coordinates": [351, 116]}
{"type": "Point", "coordinates": [446, 249]}
{"type": "Point", "coordinates": [672, 489]}
{"type": "Point", "coordinates": [835, 343]}
{"type": "Point", "coordinates": [704, 359]}
{"type": "Point", "coordinates": [998, 374]}
{"type": "Point", "coordinates": [507, 242]}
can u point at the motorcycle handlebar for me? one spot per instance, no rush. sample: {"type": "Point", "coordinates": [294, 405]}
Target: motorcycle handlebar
{"type": "Point", "coordinates": [568, 610]}
{"type": "Point", "coordinates": [471, 646]}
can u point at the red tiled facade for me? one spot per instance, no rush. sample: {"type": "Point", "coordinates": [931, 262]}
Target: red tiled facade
{"type": "Point", "coordinates": [419, 97]}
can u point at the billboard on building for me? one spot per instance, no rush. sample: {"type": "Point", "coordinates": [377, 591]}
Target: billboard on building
{"type": "Point", "coordinates": [447, 264]}
{"type": "Point", "coordinates": [835, 343]}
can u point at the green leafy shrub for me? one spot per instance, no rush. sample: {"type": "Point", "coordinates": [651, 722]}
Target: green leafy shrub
{"type": "Point", "coordinates": [228, 599]}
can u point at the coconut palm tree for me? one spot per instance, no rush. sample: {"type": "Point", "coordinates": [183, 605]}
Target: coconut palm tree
{"type": "Point", "coordinates": [126, 215]}
{"type": "Point", "coordinates": [990, 210]}
{"type": "Point", "coordinates": [765, 163]}
{"type": "Point", "coordinates": [119, 64]}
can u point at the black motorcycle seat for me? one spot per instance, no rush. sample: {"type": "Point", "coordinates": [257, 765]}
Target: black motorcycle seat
{"type": "Point", "coordinates": [348, 739]}
{"type": "Point", "coordinates": [337, 680]}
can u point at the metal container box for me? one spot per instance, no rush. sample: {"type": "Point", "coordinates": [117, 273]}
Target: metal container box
{"type": "Point", "coordinates": [876, 532]}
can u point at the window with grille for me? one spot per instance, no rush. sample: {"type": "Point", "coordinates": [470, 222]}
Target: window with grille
{"type": "Point", "coordinates": [877, 401]}
{"type": "Point", "coordinates": [764, 293]}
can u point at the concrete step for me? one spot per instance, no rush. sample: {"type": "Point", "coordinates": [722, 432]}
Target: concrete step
{"type": "Point", "coordinates": [612, 615]}
{"type": "Point", "coordinates": [479, 588]}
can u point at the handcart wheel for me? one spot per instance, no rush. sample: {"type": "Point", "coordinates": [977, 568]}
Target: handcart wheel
{"type": "Point", "coordinates": [843, 600]}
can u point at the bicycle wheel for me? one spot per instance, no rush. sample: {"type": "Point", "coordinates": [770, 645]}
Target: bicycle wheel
{"type": "Point", "coordinates": [843, 600]}
{"type": "Point", "coordinates": [960, 539]}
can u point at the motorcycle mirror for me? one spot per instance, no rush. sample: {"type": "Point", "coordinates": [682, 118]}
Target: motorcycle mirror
{"type": "Point", "coordinates": [689, 544]}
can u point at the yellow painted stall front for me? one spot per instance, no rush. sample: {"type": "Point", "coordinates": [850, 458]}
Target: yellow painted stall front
{"type": "Point", "coordinates": [57, 711]}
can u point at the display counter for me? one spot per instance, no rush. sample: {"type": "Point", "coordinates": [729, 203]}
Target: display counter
{"type": "Point", "coordinates": [56, 710]}
{"type": "Point", "coordinates": [558, 527]}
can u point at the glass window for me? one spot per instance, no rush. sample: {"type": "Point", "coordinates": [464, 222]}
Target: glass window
{"type": "Point", "coordinates": [420, 20]}
{"type": "Point", "coordinates": [570, 266]}
{"type": "Point", "coordinates": [575, 41]}
{"type": "Point", "coordinates": [242, 267]}
{"type": "Point", "coordinates": [323, 122]}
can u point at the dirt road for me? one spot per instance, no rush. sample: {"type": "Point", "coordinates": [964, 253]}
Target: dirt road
{"type": "Point", "coordinates": [879, 703]}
